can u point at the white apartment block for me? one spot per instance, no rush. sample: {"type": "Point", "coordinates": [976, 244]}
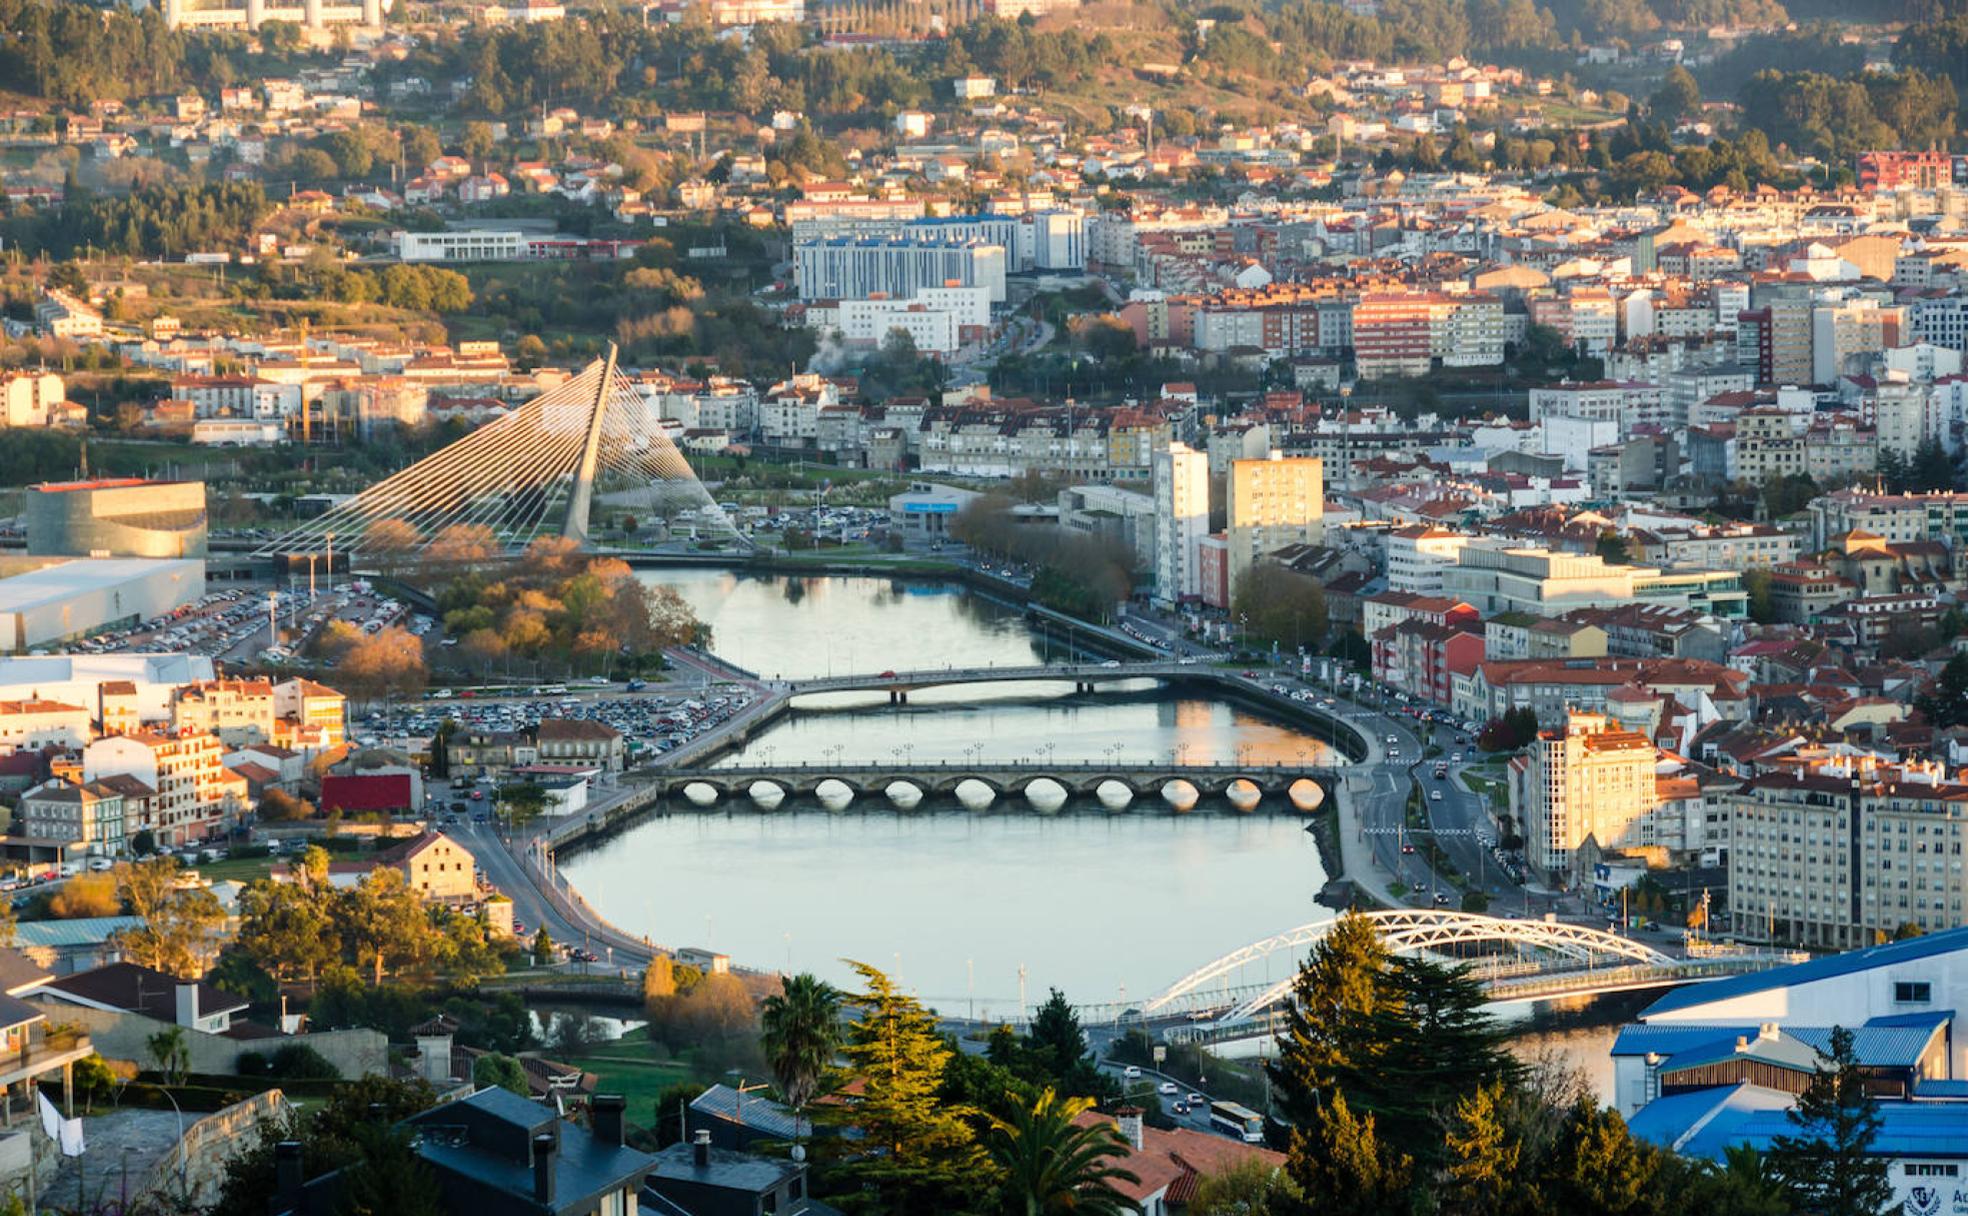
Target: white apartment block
{"type": "Point", "coordinates": [1181, 481]}
{"type": "Point", "coordinates": [1593, 779]}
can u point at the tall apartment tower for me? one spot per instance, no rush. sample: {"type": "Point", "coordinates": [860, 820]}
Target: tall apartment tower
{"type": "Point", "coordinates": [1181, 477]}
{"type": "Point", "coordinates": [1276, 501]}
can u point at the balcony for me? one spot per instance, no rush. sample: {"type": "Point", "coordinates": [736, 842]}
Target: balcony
{"type": "Point", "coordinates": [41, 1053]}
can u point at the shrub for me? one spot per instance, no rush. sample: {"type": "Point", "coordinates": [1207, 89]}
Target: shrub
{"type": "Point", "coordinates": [250, 1064]}
{"type": "Point", "coordinates": [302, 1063]}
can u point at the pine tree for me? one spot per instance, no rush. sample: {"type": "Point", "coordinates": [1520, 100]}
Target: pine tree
{"type": "Point", "coordinates": [1829, 1167]}
{"type": "Point", "coordinates": [1481, 1155]}
{"type": "Point", "coordinates": [1342, 1168]}
{"type": "Point", "coordinates": [1439, 1045]}
{"type": "Point", "coordinates": [1056, 1034]}
{"type": "Point", "coordinates": [917, 1153]}
{"type": "Point", "coordinates": [1596, 1166]}
{"type": "Point", "coordinates": [1328, 1042]}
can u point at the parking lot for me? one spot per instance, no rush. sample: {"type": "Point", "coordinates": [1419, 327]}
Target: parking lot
{"type": "Point", "coordinates": [651, 724]}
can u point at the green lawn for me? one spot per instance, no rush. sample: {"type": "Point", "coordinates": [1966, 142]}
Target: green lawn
{"type": "Point", "coordinates": [624, 1066]}
{"type": "Point", "coordinates": [242, 869]}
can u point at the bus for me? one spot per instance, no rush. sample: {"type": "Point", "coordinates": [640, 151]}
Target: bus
{"type": "Point", "coordinates": [1239, 1121]}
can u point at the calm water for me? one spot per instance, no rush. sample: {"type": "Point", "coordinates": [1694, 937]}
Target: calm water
{"type": "Point", "coordinates": [955, 902]}
{"type": "Point", "coordinates": [1086, 900]}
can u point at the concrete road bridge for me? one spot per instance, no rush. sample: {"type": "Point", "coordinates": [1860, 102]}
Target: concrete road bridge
{"type": "Point", "coordinates": [1044, 785]}
{"type": "Point", "coordinates": [1516, 960]}
{"type": "Point", "coordinates": [1084, 677]}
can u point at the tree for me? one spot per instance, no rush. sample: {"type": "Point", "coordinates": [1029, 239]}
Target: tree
{"type": "Point", "coordinates": [1756, 586]}
{"type": "Point", "coordinates": [1678, 99]}
{"type": "Point", "coordinates": [1342, 1168]}
{"type": "Point", "coordinates": [543, 948]}
{"type": "Point", "coordinates": [800, 1031]}
{"type": "Point", "coordinates": [1611, 547]}
{"type": "Point", "coordinates": [388, 663]}
{"type": "Point", "coordinates": [1595, 1165]}
{"type": "Point", "coordinates": [178, 924]}
{"type": "Point", "coordinates": [1932, 469]}
{"type": "Point", "coordinates": [1438, 1043]}
{"type": "Point", "coordinates": [85, 895]}
{"type": "Point", "coordinates": [522, 801]}
{"type": "Point", "coordinates": [1827, 1166]}
{"type": "Point", "coordinates": [1944, 703]}
{"type": "Point", "coordinates": [917, 1152]}
{"type": "Point", "coordinates": [288, 927]}
{"type": "Point", "coordinates": [1051, 1165]}
{"type": "Point", "coordinates": [172, 1053]}
{"type": "Point", "coordinates": [1056, 1035]}
{"type": "Point", "coordinates": [1280, 606]}
{"type": "Point", "coordinates": [505, 1072]}
{"type": "Point", "coordinates": [1481, 1157]}
{"type": "Point", "coordinates": [1327, 1040]}
{"type": "Point", "coordinates": [332, 1137]}
{"type": "Point", "coordinates": [389, 1177]}
{"type": "Point", "coordinates": [384, 921]}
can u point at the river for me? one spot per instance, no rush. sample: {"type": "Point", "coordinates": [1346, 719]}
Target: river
{"type": "Point", "coordinates": [971, 910]}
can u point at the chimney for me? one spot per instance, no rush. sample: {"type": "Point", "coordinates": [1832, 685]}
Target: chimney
{"type": "Point", "coordinates": [434, 1058]}
{"type": "Point", "coordinates": [1128, 1119]}
{"type": "Point", "coordinates": [1742, 1042]}
{"type": "Point", "coordinates": [287, 1175]}
{"type": "Point", "coordinates": [1767, 1030]}
{"type": "Point", "coordinates": [543, 1168]}
{"type": "Point", "coordinates": [700, 1149]}
{"type": "Point", "coordinates": [606, 1112]}
{"type": "Point", "coordinates": [187, 1004]}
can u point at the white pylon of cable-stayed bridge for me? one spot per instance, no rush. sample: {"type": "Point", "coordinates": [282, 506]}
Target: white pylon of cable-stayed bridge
{"type": "Point", "coordinates": [536, 472]}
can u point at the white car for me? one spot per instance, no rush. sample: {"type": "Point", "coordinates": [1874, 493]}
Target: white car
{"type": "Point", "coordinates": [1168, 1087]}
{"type": "Point", "coordinates": [1130, 1072]}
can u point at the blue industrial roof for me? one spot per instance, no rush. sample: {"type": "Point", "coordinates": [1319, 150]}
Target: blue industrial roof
{"type": "Point", "coordinates": [1667, 1118]}
{"type": "Point", "coordinates": [1940, 1087]}
{"type": "Point", "coordinates": [1829, 967]}
{"type": "Point", "coordinates": [1784, 1051]}
{"type": "Point", "coordinates": [1704, 1123]}
{"type": "Point", "coordinates": [1895, 1041]}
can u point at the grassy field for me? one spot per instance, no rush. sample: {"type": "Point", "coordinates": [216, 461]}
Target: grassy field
{"type": "Point", "coordinates": [625, 1066]}
{"type": "Point", "coordinates": [241, 869]}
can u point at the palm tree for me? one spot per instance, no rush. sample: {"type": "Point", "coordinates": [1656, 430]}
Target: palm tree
{"type": "Point", "coordinates": [800, 1031]}
{"type": "Point", "coordinates": [1053, 1166]}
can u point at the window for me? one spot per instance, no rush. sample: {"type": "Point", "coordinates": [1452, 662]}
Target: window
{"type": "Point", "coordinates": [1912, 992]}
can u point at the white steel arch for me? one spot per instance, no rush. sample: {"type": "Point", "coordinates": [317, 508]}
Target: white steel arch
{"type": "Point", "coordinates": [1408, 930]}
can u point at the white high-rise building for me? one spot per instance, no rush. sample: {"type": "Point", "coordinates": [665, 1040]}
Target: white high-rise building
{"type": "Point", "coordinates": [1181, 476]}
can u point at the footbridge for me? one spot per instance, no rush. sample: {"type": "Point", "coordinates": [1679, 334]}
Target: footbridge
{"type": "Point", "coordinates": [1516, 960]}
{"type": "Point", "coordinates": [1043, 785]}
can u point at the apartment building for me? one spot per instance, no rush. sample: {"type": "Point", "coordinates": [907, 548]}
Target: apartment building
{"type": "Point", "coordinates": [239, 712]}
{"type": "Point", "coordinates": [1590, 779]}
{"type": "Point", "coordinates": [1838, 853]}
{"type": "Point", "coordinates": [197, 797]}
{"type": "Point", "coordinates": [89, 815]}
{"type": "Point", "coordinates": [1272, 502]}
{"type": "Point", "coordinates": [1417, 555]}
{"type": "Point", "coordinates": [1181, 484]}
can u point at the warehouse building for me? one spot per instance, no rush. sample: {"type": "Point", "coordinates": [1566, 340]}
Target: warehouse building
{"type": "Point", "coordinates": [116, 517]}
{"type": "Point", "coordinates": [70, 599]}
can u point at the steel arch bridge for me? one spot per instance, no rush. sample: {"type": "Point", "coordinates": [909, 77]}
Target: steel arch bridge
{"type": "Point", "coordinates": [1410, 931]}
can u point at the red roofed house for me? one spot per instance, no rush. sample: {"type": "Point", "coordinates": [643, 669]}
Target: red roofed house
{"type": "Point", "coordinates": [385, 794]}
{"type": "Point", "coordinates": [1169, 1165]}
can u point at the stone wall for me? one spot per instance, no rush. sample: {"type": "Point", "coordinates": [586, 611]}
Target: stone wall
{"type": "Point", "coordinates": [208, 1145]}
{"type": "Point", "coordinates": [126, 1036]}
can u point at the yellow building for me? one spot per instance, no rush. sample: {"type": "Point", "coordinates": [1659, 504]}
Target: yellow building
{"type": "Point", "coordinates": [1272, 502]}
{"type": "Point", "coordinates": [1594, 779]}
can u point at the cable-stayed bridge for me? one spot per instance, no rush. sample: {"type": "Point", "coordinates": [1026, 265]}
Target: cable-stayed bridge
{"type": "Point", "coordinates": [534, 473]}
